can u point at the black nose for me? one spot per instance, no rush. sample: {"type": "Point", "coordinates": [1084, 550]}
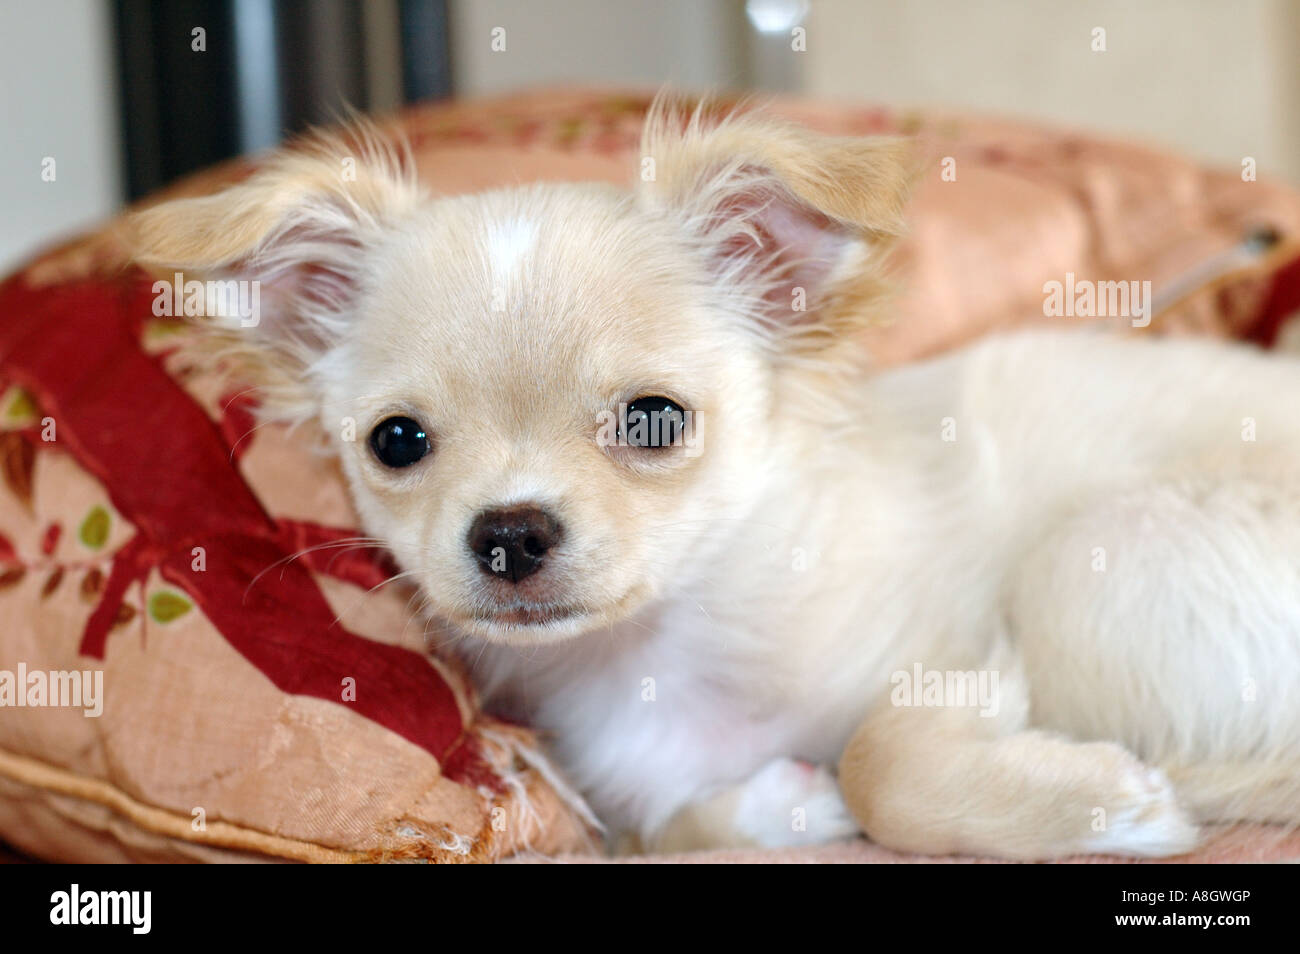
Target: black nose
{"type": "Point", "coordinates": [511, 543]}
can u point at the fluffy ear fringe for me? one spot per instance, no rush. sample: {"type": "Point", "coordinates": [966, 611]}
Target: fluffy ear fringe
{"type": "Point", "coordinates": [861, 183]}
{"type": "Point", "coordinates": [298, 227]}
{"type": "Point", "coordinates": [324, 185]}
{"type": "Point", "coordinates": [726, 176]}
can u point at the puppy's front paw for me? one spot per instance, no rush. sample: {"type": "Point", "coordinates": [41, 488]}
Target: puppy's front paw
{"type": "Point", "coordinates": [792, 803]}
{"type": "Point", "coordinates": [1141, 817]}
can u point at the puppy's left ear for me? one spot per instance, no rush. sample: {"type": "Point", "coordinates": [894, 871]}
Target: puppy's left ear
{"type": "Point", "coordinates": [795, 222]}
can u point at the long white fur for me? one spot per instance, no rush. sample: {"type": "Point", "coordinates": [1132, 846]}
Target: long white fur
{"type": "Point", "coordinates": [749, 607]}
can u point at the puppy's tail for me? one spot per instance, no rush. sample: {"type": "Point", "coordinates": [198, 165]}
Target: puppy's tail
{"type": "Point", "coordinates": [1262, 791]}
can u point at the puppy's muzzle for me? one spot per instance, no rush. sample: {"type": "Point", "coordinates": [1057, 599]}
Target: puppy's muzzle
{"type": "Point", "coordinates": [512, 543]}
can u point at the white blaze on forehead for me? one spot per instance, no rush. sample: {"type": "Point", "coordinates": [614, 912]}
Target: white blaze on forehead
{"type": "Point", "coordinates": [509, 241]}
{"type": "Point", "coordinates": [527, 483]}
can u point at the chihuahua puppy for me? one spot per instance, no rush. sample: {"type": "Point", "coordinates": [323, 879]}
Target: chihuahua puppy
{"type": "Point", "coordinates": [1034, 598]}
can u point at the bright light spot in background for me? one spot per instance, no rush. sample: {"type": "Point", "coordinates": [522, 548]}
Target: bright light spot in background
{"type": "Point", "coordinates": [776, 16]}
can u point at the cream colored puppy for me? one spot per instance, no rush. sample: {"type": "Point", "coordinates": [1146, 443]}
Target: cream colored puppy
{"type": "Point", "coordinates": [1038, 597]}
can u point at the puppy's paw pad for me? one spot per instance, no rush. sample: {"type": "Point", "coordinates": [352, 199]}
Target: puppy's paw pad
{"type": "Point", "coordinates": [792, 803]}
{"type": "Point", "coordinates": [1143, 818]}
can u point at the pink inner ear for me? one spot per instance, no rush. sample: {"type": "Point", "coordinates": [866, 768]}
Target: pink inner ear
{"type": "Point", "coordinates": [794, 245]}
{"type": "Point", "coordinates": [811, 245]}
{"type": "Point", "coordinates": [305, 271]}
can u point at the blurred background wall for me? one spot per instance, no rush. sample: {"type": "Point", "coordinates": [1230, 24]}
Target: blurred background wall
{"type": "Point", "coordinates": [1217, 80]}
{"type": "Point", "coordinates": [115, 92]}
{"type": "Point", "coordinates": [57, 99]}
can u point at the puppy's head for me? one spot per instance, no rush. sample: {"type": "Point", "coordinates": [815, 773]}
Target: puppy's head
{"type": "Point", "coordinates": [554, 403]}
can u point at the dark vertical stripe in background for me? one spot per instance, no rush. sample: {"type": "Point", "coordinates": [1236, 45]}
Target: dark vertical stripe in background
{"type": "Point", "coordinates": [270, 68]}
{"type": "Point", "coordinates": [178, 109]}
{"type": "Point", "coordinates": [321, 54]}
{"type": "Point", "coordinates": [426, 50]}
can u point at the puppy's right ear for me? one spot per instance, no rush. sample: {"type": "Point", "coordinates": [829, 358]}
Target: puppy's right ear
{"type": "Point", "coordinates": [297, 232]}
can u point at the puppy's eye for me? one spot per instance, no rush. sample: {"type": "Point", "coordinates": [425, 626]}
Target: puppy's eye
{"type": "Point", "coordinates": [399, 442]}
{"type": "Point", "coordinates": [653, 422]}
